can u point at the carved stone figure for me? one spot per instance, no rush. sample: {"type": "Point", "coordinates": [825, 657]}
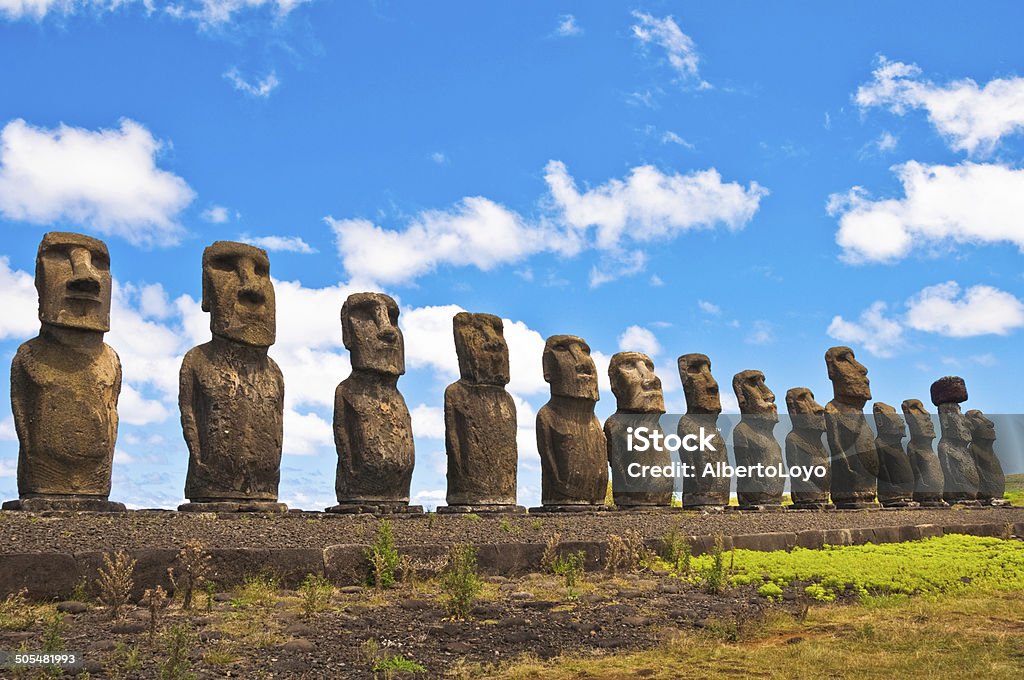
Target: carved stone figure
{"type": "Point", "coordinates": [372, 426]}
{"type": "Point", "coordinates": [804, 448]}
{"type": "Point", "coordinates": [231, 393]}
{"type": "Point", "coordinates": [854, 456]}
{"type": "Point", "coordinates": [753, 443]}
{"type": "Point", "coordinates": [573, 452]}
{"type": "Point", "coordinates": [703, 406]}
{"type": "Point", "coordinates": [65, 383]}
{"type": "Point", "coordinates": [958, 468]}
{"type": "Point", "coordinates": [895, 475]}
{"type": "Point", "coordinates": [480, 420]}
{"type": "Point", "coordinates": [992, 481]}
{"type": "Point", "coordinates": [639, 404]}
{"type": "Point", "coordinates": [928, 480]}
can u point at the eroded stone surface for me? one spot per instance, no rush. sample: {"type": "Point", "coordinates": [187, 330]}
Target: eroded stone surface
{"type": "Point", "coordinates": [703, 406]}
{"type": "Point", "coordinates": [372, 425]}
{"type": "Point", "coordinates": [639, 403]}
{"type": "Point", "coordinates": [231, 393]}
{"type": "Point", "coordinates": [753, 442]}
{"type": "Point", "coordinates": [804, 448]}
{"type": "Point", "coordinates": [573, 452]}
{"type": "Point", "coordinates": [991, 480]}
{"type": "Point", "coordinates": [66, 381]}
{"type": "Point", "coordinates": [480, 417]}
{"type": "Point", "coordinates": [928, 479]}
{"type": "Point", "coordinates": [895, 475]}
{"type": "Point", "coordinates": [958, 468]}
{"type": "Point", "coordinates": [850, 440]}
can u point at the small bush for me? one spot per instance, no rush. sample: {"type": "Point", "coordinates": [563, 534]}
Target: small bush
{"type": "Point", "coordinates": [460, 581]}
{"type": "Point", "coordinates": [397, 664]}
{"type": "Point", "coordinates": [715, 576]}
{"type": "Point", "coordinates": [116, 581]}
{"type": "Point", "coordinates": [550, 555]}
{"type": "Point", "coordinates": [259, 589]}
{"type": "Point", "coordinates": [177, 642]}
{"type": "Point", "coordinates": [16, 612]}
{"type": "Point", "coordinates": [156, 600]}
{"type": "Point", "coordinates": [627, 553]}
{"type": "Point", "coordinates": [194, 563]}
{"type": "Point", "coordinates": [771, 590]}
{"type": "Point", "coordinates": [315, 593]}
{"type": "Point", "coordinates": [52, 628]}
{"type": "Point", "coordinates": [383, 556]}
{"type": "Point", "coordinates": [571, 568]}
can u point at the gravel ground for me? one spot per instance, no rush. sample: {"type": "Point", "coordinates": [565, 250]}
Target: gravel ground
{"type": "Point", "coordinates": [24, 532]}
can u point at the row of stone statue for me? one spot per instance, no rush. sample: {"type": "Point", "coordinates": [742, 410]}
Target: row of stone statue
{"type": "Point", "coordinates": [65, 385]}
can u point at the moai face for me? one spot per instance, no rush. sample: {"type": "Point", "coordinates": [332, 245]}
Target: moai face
{"type": "Point", "coordinates": [754, 397]}
{"type": "Point", "coordinates": [982, 429]}
{"type": "Point", "coordinates": [918, 419]}
{"type": "Point", "coordinates": [73, 281]}
{"type": "Point", "coordinates": [699, 386]}
{"type": "Point", "coordinates": [238, 293]}
{"type": "Point", "coordinates": [635, 386]}
{"type": "Point", "coordinates": [481, 348]}
{"type": "Point", "coordinates": [949, 390]}
{"type": "Point", "coordinates": [806, 413]}
{"type": "Point", "coordinates": [569, 369]}
{"type": "Point", "coordinates": [369, 329]}
{"type": "Point", "coordinates": [849, 377]}
{"type": "Point", "coordinates": [887, 421]}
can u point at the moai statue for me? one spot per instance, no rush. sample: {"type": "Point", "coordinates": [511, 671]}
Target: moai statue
{"type": "Point", "coordinates": [65, 383]}
{"type": "Point", "coordinates": [958, 468]}
{"type": "Point", "coordinates": [639, 404]}
{"type": "Point", "coordinates": [854, 456]}
{"type": "Point", "coordinates": [573, 453]}
{"type": "Point", "coordinates": [231, 393]}
{"type": "Point", "coordinates": [703, 406]}
{"type": "Point", "coordinates": [928, 479]}
{"type": "Point", "coordinates": [992, 481]}
{"type": "Point", "coordinates": [895, 475]}
{"type": "Point", "coordinates": [804, 448]}
{"type": "Point", "coordinates": [754, 443]}
{"type": "Point", "coordinates": [480, 420]}
{"type": "Point", "coordinates": [372, 426]}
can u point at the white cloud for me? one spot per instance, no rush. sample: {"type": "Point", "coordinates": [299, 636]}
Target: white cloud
{"type": "Point", "coordinates": [37, 9]}
{"type": "Point", "coordinates": [260, 88]}
{"type": "Point", "coordinates": [428, 421]}
{"type": "Point", "coordinates": [616, 265]}
{"type": "Point", "coordinates": [980, 310]}
{"type": "Point", "coordinates": [216, 214]}
{"type": "Point", "coordinates": [439, 158]}
{"type": "Point", "coordinates": [886, 141]}
{"type": "Point", "coordinates": [19, 302]}
{"type": "Point", "coordinates": [283, 244]}
{"type": "Point", "coordinates": [762, 333]}
{"type": "Point", "coordinates": [134, 409]}
{"type": "Point", "coordinates": [679, 47]}
{"type": "Point", "coordinates": [7, 431]}
{"type": "Point", "coordinates": [709, 307]}
{"type": "Point", "coordinates": [207, 13]}
{"type": "Point", "coordinates": [966, 203]}
{"type": "Point", "coordinates": [639, 339]}
{"type": "Point", "coordinates": [877, 333]}
{"type": "Point", "coordinates": [567, 26]}
{"type": "Point", "coordinates": [430, 341]}
{"type": "Point", "coordinates": [305, 434]}
{"type": "Point", "coordinates": [972, 118]}
{"type": "Point", "coordinates": [670, 137]}
{"type": "Point", "coordinates": [8, 468]}
{"type": "Point", "coordinates": [106, 180]}
{"type": "Point", "coordinates": [657, 281]}
{"type": "Point", "coordinates": [153, 301]}
{"type": "Point", "coordinates": [525, 349]}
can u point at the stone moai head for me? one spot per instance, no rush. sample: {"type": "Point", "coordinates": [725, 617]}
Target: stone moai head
{"type": "Point", "coordinates": [481, 348]}
{"type": "Point", "coordinates": [754, 397]}
{"type": "Point", "coordinates": [569, 369]}
{"type": "Point", "coordinates": [238, 293]}
{"type": "Point", "coordinates": [849, 377]}
{"type": "Point", "coordinates": [635, 386]}
{"type": "Point", "coordinates": [887, 421]}
{"type": "Point", "coordinates": [949, 390]}
{"type": "Point", "coordinates": [73, 281]}
{"type": "Point", "coordinates": [982, 429]}
{"type": "Point", "coordinates": [804, 411]}
{"type": "Point", "coordinates": [918, 419]}
{"type": "Point", "coordinates": [699, 386]}
{"type": "Point", "coordinates": [369, 329]}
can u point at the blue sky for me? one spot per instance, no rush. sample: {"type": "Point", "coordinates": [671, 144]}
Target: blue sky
{"type": "Point", "coordinates": [753, 182]}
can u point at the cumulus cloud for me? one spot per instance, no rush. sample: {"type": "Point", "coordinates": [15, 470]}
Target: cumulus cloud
{"type": "Point", "coordinates": [106, 180]}
{"type": "Point", "coordinates": [428, 421]}
{"type": "Point", "coordinates": [20, 318]}
{"type": "Point", "coordinates": [647, 206]}
{"type": "Point", "coordinates": [972, 118]}
{"type": "Point", "coordinates": [567, 26]}
{"type": "Point", "coordinates": [762, 333]}
{"type": "Point", "coordinates": [679, 48]}
{"type": "Point", "coordinates": [7, 432]}
{"type": "Point", "coordinates": [874, 331]}
{"type": "Point", "coordinates": [709, 307]}
{"type": "Point", "coordinates": [639, 339]}
{"type": "Point", "coordinates": [966, 203]}
{"type": "Point", "coordinates": [208, 14]}
{"type": "Point", "coordinates": [979, 310]}
{"type": "Point", "coordinates": [216, 214]}
{"type": "Point", "coordinates": [281, 244]}
{"type": "Point", "coordinates": [258, 88]}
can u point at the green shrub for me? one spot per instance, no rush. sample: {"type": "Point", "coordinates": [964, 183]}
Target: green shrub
{"type": "Point", "coordinates": [460, 581]}
{"type": "Point", "coordinates": [771, 591]}
{"type": "Point", "coordinates": [315, 594]}
{"type": "Point", "coordinates": [383, 556]}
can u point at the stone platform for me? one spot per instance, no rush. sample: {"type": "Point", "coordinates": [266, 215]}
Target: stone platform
{"type": "Point", "coordinates": [47, 554]}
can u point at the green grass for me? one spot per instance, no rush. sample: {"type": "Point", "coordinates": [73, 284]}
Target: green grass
{"type": "Point", "coordinates": [1015, 489]}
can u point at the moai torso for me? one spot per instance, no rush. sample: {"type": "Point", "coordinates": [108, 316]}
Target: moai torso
{"type": "Point", "coordinates": [895, 474]}
{"type": "Point", "coordinates": [231, 393]}
{"type": "Point", "coordinates": [571, 444]}
{"type": "Point", "coordinates": [372, 425]}
{"type": "Point", "coordinates": [480, 416]}
{"type": "Point", "coordinates": [991, 480]}
{"type": "Point", "coordinates": [854, 456]}
{"type": "Point", "coordinates": [958, 468]}
{"type": "Point", "coordinates": [65, 382]}
{"type": "Point", "coordinates": [928, 478]}
{"type": "Point", "coordinates": [703, 406]}
{"type": "Point", "coordinates": [639, 403]}
{"type": "Point", "coordinates": [805, 449]}
{"type": "Point", "coordinates": [753, 442]}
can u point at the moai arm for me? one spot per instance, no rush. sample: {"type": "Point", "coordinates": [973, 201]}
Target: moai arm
{"type": "Point", "coordinates": [19, 382]}
{"type": "Point", "coordinates": [452, 441]}
{"type": "Point", "coordinates": [834, 436]}
{"type": "Point", "coordinates": [186, 404]}
{"type": "Point", "coordinates": [546, 447]}
{"type": "Point", "coordinates": [116, 395]}
{"type": "Point", "coordinates": [341, 439]}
